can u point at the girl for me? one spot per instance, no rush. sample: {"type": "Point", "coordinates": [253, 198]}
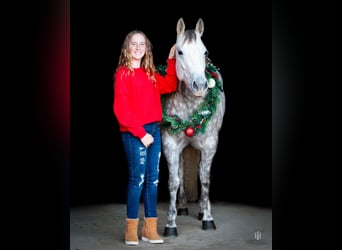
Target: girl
{"type": "Point", "coordinates": [137, 107]}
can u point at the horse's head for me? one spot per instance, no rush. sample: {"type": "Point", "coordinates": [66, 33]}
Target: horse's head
{"type": "Point", "coordinates": [191, 58]}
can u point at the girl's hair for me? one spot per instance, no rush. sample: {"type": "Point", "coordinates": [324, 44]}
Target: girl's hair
{"type": "Point", "coordinates": [146, 62]}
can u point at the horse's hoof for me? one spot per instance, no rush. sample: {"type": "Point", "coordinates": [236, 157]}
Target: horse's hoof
{"type": "Point", "coordinates": [200, 216]}
{"type": "Point", "coordinates": [170, 232]}
{"type": "Point", "coordinates": [182, 211]}
{"type": "Point", "coordinates": [208, 225]}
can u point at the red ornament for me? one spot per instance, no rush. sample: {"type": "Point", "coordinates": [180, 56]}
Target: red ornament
{"type": "Point", "coordinates": [189, 131]}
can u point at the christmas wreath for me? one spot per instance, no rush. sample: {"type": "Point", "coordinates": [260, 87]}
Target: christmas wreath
{"type": "Point", "coordinates": [200, 117]}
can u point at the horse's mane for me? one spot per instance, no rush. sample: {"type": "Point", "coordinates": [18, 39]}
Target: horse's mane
{"type": "Point", "coordinates": [189, 36]}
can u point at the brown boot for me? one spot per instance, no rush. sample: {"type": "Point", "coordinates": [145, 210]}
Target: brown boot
{"type": "Point", "coordinates": [149, 231]}
{"type": "Point", "coordinates": [131, 234]}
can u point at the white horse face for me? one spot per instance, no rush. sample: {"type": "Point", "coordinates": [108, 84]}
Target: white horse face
{"type": "Point", "coordinates": [191, 58]}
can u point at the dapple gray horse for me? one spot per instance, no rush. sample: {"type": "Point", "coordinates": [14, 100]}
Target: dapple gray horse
{"type": "Point", "coordinates": [192, 115]}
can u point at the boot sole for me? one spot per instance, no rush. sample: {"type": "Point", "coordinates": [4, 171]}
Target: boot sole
{"type": "Point", "coordinates": [152, 241]}
{"type": "Point", "coordinates": [132, 243]}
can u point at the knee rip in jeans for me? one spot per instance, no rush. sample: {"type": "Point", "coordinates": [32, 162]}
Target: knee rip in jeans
{"type": "Point", "coordinates": [141, 179]}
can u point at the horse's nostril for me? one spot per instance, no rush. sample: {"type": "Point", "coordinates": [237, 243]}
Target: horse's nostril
{"type": "Point", "coordinates": [195, 86]}
{"type": "Point", "coordinates": [200, 86]}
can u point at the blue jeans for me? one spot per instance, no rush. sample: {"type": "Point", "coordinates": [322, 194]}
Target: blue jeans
{"type": "Point", "coordinates": [143, 172]}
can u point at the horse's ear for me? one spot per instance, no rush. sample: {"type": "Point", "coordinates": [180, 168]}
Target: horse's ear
{"type": "Point", "coordinates": [180, 26]}
{"type": "Point", "coordinates": [200, 26]}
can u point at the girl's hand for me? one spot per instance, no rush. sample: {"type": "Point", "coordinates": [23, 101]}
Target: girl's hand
{"type": "Point", "coordinates": [147, 140]}
{"type": "Point", "coordinates": [172, 54]}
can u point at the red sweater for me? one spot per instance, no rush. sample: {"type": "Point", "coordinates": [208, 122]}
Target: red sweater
{"type": "Point", "coordinates": [137, 99]}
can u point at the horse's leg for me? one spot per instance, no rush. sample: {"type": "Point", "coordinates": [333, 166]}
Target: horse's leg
{"type": "Point", "coordinates": [204, 203]}
{"type": "Point", "coordinates": [182, 199]}
{"type": "Point", "coordinates": [172, 157]}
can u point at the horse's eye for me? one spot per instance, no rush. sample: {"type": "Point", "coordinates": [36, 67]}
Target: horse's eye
{"type": "Point", "coordinates": [206, 53]}
{"type": "Point", "coordinates": [180, 52]}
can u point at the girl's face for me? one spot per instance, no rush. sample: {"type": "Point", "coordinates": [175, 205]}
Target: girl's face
{"type": "Point", "coordinates": [137, 47]}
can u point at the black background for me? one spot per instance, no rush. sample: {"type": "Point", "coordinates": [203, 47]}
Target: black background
{"type": "Point", "coordinates": [238, 39]}
{"type": "Point", "coordinates": [63, 144]}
